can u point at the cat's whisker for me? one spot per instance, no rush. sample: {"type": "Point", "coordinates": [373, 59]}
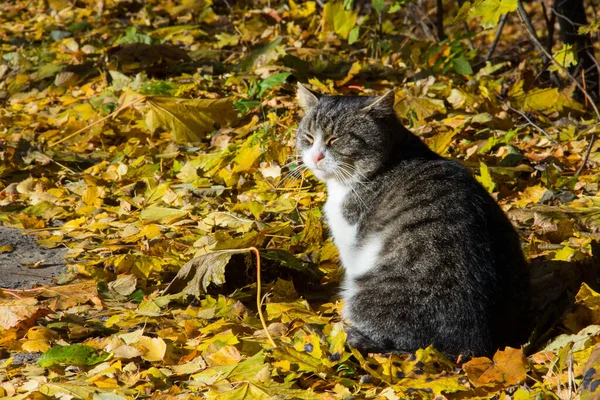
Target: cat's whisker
{"type": "Point", "coordinates": [350, 176]}
{"type": "Point", "coordinates": [339, 174]}
{"type": "Point", "coordinates": [295, 162]}
{"type": "Point", "coordinates": [292, 175]}
{"type": "Point", "coordinates": [353, 169]}
{"type": "Point", "coordinates": [358, 196]}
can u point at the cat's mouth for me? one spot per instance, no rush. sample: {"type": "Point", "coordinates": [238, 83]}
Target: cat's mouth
{"type": "Point", "coordinates": [323, 173]}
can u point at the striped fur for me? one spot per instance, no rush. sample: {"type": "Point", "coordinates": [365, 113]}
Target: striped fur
{"type": "Point", "coordinates": [430, 257]}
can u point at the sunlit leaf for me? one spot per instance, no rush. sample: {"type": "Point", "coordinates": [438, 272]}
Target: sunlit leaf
{"type": "Point", "coordinates": [490, 11]}
{"type": "Point", "coordinates": [195, 276]}
{"type": "Point", "coordinates": [75, 354]}
{"type": "Point", "coordinates": [189, 120]}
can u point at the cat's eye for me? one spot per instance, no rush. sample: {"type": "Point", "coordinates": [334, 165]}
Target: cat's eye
{"type": "Point", "coordinates": [309, 138]}
{"type": "Point", "coordinates": [331, 141]}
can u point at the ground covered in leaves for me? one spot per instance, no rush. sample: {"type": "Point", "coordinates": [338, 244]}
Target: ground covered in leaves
{"type": "Point", "coordinates": [142, 135]}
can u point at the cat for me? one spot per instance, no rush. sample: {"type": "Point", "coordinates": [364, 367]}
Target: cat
{"type": "Point", "coordinates": [429, 256]}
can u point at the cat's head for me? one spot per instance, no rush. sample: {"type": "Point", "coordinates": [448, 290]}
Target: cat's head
{"type": "Point", "coordinates": [344, 138]}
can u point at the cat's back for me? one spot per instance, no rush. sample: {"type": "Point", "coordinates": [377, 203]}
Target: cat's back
{"type": "Point", "coordinates": [437, 188]}
{"type": "Point", "coordinates": [434, 216]}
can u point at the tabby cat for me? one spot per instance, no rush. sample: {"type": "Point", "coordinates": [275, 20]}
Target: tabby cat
{"type": "Point", "coordinates": [429, 256]}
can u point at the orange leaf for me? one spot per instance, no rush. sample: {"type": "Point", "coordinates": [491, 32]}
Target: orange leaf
{"type": "Point", "coordinates": [508, 368]}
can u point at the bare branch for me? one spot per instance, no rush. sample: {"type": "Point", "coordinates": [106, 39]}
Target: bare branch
{"type": "Point", "coordinates": [530, 122]}
{"type": "Point", "coordinates": [587, 155]}
{"type": "Point", "coordinates": [531, 31]}
{"type": "Point", "coordinates": [503, 19]}
{"type": "Point", "coordinates": [440, 20]}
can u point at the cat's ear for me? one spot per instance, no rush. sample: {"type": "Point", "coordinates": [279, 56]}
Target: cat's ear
{"type": "Point", "coordinates": [382, 104]}
{"type": "Point", "coordinates": [306, 98]}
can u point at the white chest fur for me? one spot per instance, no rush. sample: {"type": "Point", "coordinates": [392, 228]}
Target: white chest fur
{"type": "Point", "coordinates": [357, 258]}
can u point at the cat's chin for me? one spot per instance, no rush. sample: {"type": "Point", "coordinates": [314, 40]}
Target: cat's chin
{"type": "Point", "coordinates": [322, 174]}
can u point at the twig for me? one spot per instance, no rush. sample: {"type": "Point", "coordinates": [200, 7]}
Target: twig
{"type": "Point", "coordinates": [533, 124]}
{"type": "Point", "coordinates": [570, 374]}
{"type": "Point", "coordinates": [258, 296]}
{"type": "Point", "coordinates": [531, 30]}
{"type": "Point", "coordinates": [550, 22]}
{"type": "Point", "coordinates": [527, 22]}
{"type": "Point", "coordinates": [469, 41]}
{"type": "Point", "coordinates": [440, 20]}
{"type": "Point", "coordinates": [12, 291]}
{"type": "Point", "coordinates": [503, 19]}
{"type": "Point", "coordinates": [139, 99]}
{"type": "Point", "coordinates": [549, 26]}
{"type": "Point", "coordinates": [586, 156]}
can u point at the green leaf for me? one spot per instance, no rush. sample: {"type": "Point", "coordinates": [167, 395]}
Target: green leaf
{"type": "Point", "coordinates": [379, 5]}
{"type": "Point", "coordinates": [75, 354]}
{"type": "Point", "coordinates": [353, 35]}
{"type": "Point", "coordinates": [490, 11]}
{"type": "Point", "coordinates": [132, 36]}
{"type": "Point", "coordinates": [272, 81]}
{"type": "Point", "coordinates": [189, 120]}
{"type": "Point", "coordinates": [462, 66]}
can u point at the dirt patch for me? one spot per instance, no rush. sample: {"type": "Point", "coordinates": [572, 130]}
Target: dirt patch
{"type": "Point", "coordinates": [15, 264]}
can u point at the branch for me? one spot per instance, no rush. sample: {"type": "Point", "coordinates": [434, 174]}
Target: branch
{"type": "Point", "coordinates": [533, 124]}
{"type": "Point", "coordinates": [587, 155]}
{"type": "Point", "coordinates": [440, 20]}
{"type": "Point", "coordinates": [503, 19]}
{"type": "Point", "coordinates": [531, 31]}
{"type": "Point", "coordinates": [112, 114]}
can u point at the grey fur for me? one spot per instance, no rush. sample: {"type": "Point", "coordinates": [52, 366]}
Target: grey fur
{"type": "Point", "coordinates": [451, 272]}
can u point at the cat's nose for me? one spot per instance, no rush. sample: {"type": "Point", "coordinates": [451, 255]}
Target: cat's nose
{"type": "Point", "coordinates": [318, 156]}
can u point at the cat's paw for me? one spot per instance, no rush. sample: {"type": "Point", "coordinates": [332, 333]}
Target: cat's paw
{"type": "Point", "coordinates": [355, 338]}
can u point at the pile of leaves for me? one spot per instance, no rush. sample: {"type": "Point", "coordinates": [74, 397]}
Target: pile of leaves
{"type": "Point", "coordinates": [145, 135]}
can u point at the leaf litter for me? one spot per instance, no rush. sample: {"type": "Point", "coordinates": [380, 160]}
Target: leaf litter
{"type": "Point", "coordinates": [154, 141]}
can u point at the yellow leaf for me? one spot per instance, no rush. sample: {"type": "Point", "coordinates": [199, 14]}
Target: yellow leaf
{"type": "Point", "coordinates": [565, 254]}
{"type": "Point", "coordinates": [74, 223]}
{"type": "Point", "coordinates": [485, 178]}
{"type": "Point", "coordinates": [338, 19]}
{"type": "Point", "coordinates": [93, 196]}
{"type": "Point", "coordinates": [35, 345]}
{"type": "Point", "coordinates": [189, 120]}
{"type": "Point", "coordinates": [588, 297]}
{"type": "Point", "coordinates": [154, 349]}
{"type": "Point", "coordinates": [163, 215]}
{"type": "Point", "coordinates": [442, 141]}
{"type": "Point", "coordinates": [354, 70]}
{"type": "Point", "coordinates": [227, 355]}
{"type": "Point", "coordinates": [531, 195]}
{"type": "Point", "coordinates": [7, 248]}
{"type": "Point", "coordinates": [247, 154]}
{"type": "Point", "coordinates": [307, 9]}
{"type": "Point", "coordinates": [13, 311]}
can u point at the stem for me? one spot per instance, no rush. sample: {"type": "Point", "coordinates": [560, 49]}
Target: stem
{"type": "Point", "coordinates": [587, 155]}
{"type": "Point", "coordinates": [440, 20]}
{"type": "Point", "coordinates": [533, 124]}
{"type": "Point", "coordinates": [503, 19]}
{"type": "Point", "coordinates": [259, 297]}
{"type": "Point", "coordinates": [118, 110]}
